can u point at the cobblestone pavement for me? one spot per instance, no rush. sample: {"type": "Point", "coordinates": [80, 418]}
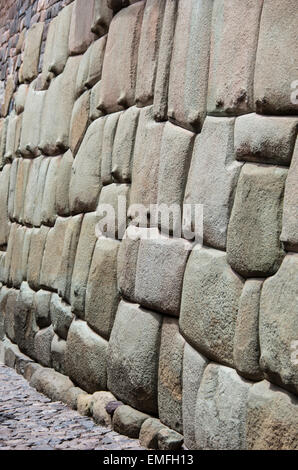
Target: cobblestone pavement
{"type": "Point", "coordinates": [29, 420]}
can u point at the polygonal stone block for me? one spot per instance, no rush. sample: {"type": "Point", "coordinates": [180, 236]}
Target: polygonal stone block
{"type": "Point", "coordinates": [61, 316]}
{"type": "Point", "coordinates": [62, 184]}
{"type": "Point", "coordinates": [59, 54]}
{"type": "Point", "coordinates": [289, 234]}
{"type": "Point", "coordinates": [111, 123]}
{"type": "Point", "coordinates": [38, 240]}
{"type": "Point", "coordinates": [79, 121]}
{"type": "Point", "coordinates": [4, 193]}
{"type": "Point", "coordinates": [102, 17]}
{"type": "Point", "coordinates": [80, 35]}
{"type": "Point", "coordinates": [31, 52]}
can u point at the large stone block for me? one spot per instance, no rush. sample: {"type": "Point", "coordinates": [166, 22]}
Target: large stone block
{"type": "Point", "coordinates": [276, 45]}
{"type": "Point", "coordinates": [102, 17]}
{"type": "Point", "coordinates": [4, 194]}
{"type": "Point", "coordinates": [113, 198]}
{"type": "Point", "coordinates": [102, 295]}
{"type": "Point", "coordinates": [212, 179]}
{"type": "Point", "coordinates": [42, 346]}
{"type": "Point", "coordinates": [111, 123]}
{"type": "Point", "coordinates": [246, 351]}
{"type": "Point", "coordinates": [31, 52]}
{"type": "Point", "coordinates": [170, 375]}
{"type": "Point", "coordinates": [80, 35]}
{"type": "Point", "coordinates": [83, 72]}
{"type": "Point", "coordinates": [31, 197]}
{"type": "Point", "coordinates": [120, 61]}
{"type": "Point", "coordinates": [51, 383]}
{"type": "Point", "coordinates": [220, 414]}
{"type": "Point", "coordinates": [61, 316]}
{"type": "Point", "coordinates": [265, 139]}
{"type": "Point", "coordinates": [127, 264]}
{"type": "Point", "coordinates": [58, 350]}
{"type": "Point", "coordinates": [16, 273]}
{"type": "Point", "coordinates": [96, 61]}
{"type": "Point", "coordinates": [9, 89]}
{"type": "Point", "coordinates": [3, 133]}
{"type": "Point", "coordinates": [253, 244]}
{"type": "Point", "coordinates": [9, 253]}
{"type": "Point", "coordinates": [279, 325]}
{"type": "Point", "coordinates": [289, 234]}
{"type": "Point", "coordinates": [194, 365]}
{"type": "Point", "coordinates": [62, 184]}
{"type": "Point", "coordinates": [59, 54]}
{"type": "Point", "coordinates": [272, 418]}
{"type": "Point", "coordinates": [79, 121]}
{"type": "Point", "coordinates": [82, 264]}
{"type": "Point", "coordinates": [42, 300]}
{"type": "Point", "coordinates": [39, 191]}
{"type": "Point", "coordinates": [230, 87]}
{"type": "Point", "coordinates": [38, 241]}
{"type": "Point", "coordinates": [20, 189]}
{"type": "Point", "coordinates": [12, 187]}
{"type": "Point", "coordinates": [48, 204]}
{"type": "Point", "coordinates": [85, 182]}
{"type": "Point", "coordinates": [86, 357]}
{"type": "Point", "coordinates": [9, 317]}
{"type": "Point", "coordinates": [59, 102]}
{"type": "Point", "coordinates": [148, 51]}
{"type": "Point", "coordinates": [25, 323]}
{"type": "Point", "coordinates": [190, 64]}
{"type": "Point", "coordinates": [46, 75]}
{"type": "Point", "coordinates": [133, 357]}
{"type": "Point", "coordinates": [20, 98]}
{"type": "Point", "coordinates": [160, 271]}
{"type": "Point", "coordinates": [13, 136]}
{"type": "Point", "coordinates": [94, 100]}
{"type": "Point", "coordinates": [209, 306]}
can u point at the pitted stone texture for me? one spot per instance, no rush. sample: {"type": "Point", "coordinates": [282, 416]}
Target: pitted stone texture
{"type": "Point", "coordinates": [221, 410]}
{"type": "Point", "coordinates": [42, 346]}
{"type": "Point", "coordinates": [175, 157]}
{"type": "Point", "coordinates": [149, 433]}
{"type": "Point", "coordinates": [246, 351]}
{"type": "Point", "coordinates": [16, 273]}
{"type": "Point", "coordinates": [102, 295]}
{"type": "Point", "coordinates": [272, 85]}
{"type": "Point", "coordinates": [169, 440]}
{"type": "Point", "coordinates": [9, 316]}
{"type": "Point", "coordinates": [272, 418]}
{"type": "Point", "coordinates": [86, 357]}
{"type": "Point", "coordinates": [51, 383]}
{"type": "Point", "coordinates": [123, 146]}
{"type": "Point", "coordinates": [278, 333]}
{"type": "Point", "coordinates": [59, 102]}
{"type": "Point", "coordinates": [79, 121]}
{"type": "Point", "coordinates": [61, 316]}
{"type": "Point", "coordinates": [85, 182]}
{"type": "Point", "coordinates": [190, 64]}
{"type": "Point", "coordinates": [111, 123]}
{"type": "Point", "coordinates": [82, 264]}
{"type": "Point", "coordinates": [31, 52]}
{"type": "Point", "coordinates": [80, 35]}
{"type": "Point", "coordinates": [128, 421]}
{"type": "Point", "coordinates": [102, 17]}
{"type": "Point", "coordinates": [164, 61]}
{"type": "Point", "coordinates": [212, 179]}
{"type": "Point", "coordinates": [289, 234]}
{"type": "Point", "coordinates": [9, 253]}
{"type": "Point", "coordinates": [58, 350]}
{"type": "Point", "coordinates": [62, 184]}
{"type": "Point", "coordinates": [4, 194]}
{"type": "Point", "coordinates": [209, 306]}
{"type": "Point", "coordinates": [42, 300]}
{"type": "Point", "coordinates": [265, 139]}
{"type": "Point", "coordinates": [120, 61]}
{"type": "Point", "coordinates": [59, 54]}
{"type": "Point", "coordinates": [253, 245]}
{"type": "Point", "coordinates": [98, 405]}
{"type": "Point", "coordinates": [148, 51]}
{"type": "Point", "coordinates": [111, 209]}
{"type": "Point", "coordinates": [133, 357]}
{"type": "Point", "coordinates": [127, 265]}
{"type": "Point", "coordinates": [160, 270]}
{"type": "Point", "coordinates": [170, 375]}
{"type": "Point", "coordinates": [194, 365]}
{"type": "Point", "coordinates": [25, 322]}
{"type": "Point", "coordinates": [38, 241]}
{"type": "Point", "coordinates": [230, 87]}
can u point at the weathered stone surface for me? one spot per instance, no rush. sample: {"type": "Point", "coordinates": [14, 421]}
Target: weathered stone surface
{"type": "Point", "coordinates": [12, 187]}
{"type": "Point", "coordinates": [246, 351]}
{"type": "Point", "coordinates": [86, 357]}
{"type": "Point", "coordinates": [194, 365]}
{"type": "Point", "coordinates": [253, 244]}
{"type": "Point", "coordinates": [144, 185]}
{"type": "Point", "coordinates": [128, 421]}
{"type": "Point", "coordinates": [149, 433]}
{"type": "Point", "coordinates": [9, 89]}
{"type": "Point", "coordinates": [42, 300]}
{"type": "Point", "coordinates": [62, 184]}
{"type": "Point", "coordinates": [272, 85]}
{"type": "Point", "coordinates": [4, 194]}
{"type": "Point", "coordinates": [84, 404]}
{"type": "Point", "coordinates": [20, 98]}
{"type": "Point", "coordinates": [52, 257]}
{"type": "Point", "coordinates": [98, 407]}
{"type": "Point", "coordinates": [42, 346]}
{"type": "Point", "coordinates": [48, 204]}
{"type": "Point", "coordinates": [278, 333]}
{"type": "Point", "coordinates": [9, 253]}
{"type": "Point", "coordinates": [32, 120]}
{"type": "Point", "coordinates": [175, 157]}
{"type": "Point", "coordinates": [148, 51]}
{"type": "Point", "coordinates": [20, 189]}
{"type": "Point", "coordinates": [169, 440]}
{"type": "Point", "coordinates": [51, 383]}
{"type": "Point", "coordinates": [190, 64]}
{"type": "Point", "coordinates": [209, 306]}
{"type": "Point", "coordinates": [114, 196]}
{"type": "Point", "coordinates": [58, 349]}
{"type": "Point", "coordinates": [3, 299]}
{"type": "Point", "coordinates": [160, 270]}
{"type": "Point", "coordinates": [46, 75]}
{"type": "Point", "coordinates": [212, 179]}
{"type": "Point", "coordinates": [71, 396]}
{"type": "Point", "coordinates": [9, 318]}
{"type": "Point", "coordinates": [59, 102]}
{"type": "Point", "coordinates": [31, 197]}
{"type": "Point", "coordinates": [265, 139]}
{"type": "Point", "coordinates": [170, 375]}
{"type": "Point", "coordinates": [38, 241]}
{"type": "Point", "coordinates": [85, 182]}
{"type": "Point", "coordinates": [82, 264]}
{"type": "Point", "coordinates": [111, 123]}
{"type": "Point", "coordinates": [13, 136]}
{"type": "Point", "coordinates": [95, 113]}
{"type": "Point", "coordinates": [71, 238]}
{"type": "Point", "coordinates": [272, 418]}
{"type": "Point", "coordinates": [102, 295]}
{"type": "Point", "coordinates": [96, 61]}
{"type": "Point", "coordinates": [230, 87]}
{"type": "Point", "coordinates": [31, 52]}
{"type": "Point", "coordinates": [24, 320]}
{"type": "Point", "coordinates": [123, 146]}
{"type": "Point", "coordinates": [102, 17]}
{"type": "Point", "coordinates": [220, 412]}
{"type": "Point", "coordinates": [289, 234]}
{"type": "Point", "coordinates": [3, 133]}
{"type": "Point", "coordinates": [25, 252]}
{"type": "Point", "coordinates": [164, 61]}
{"type": "Point", "coordinates": [79, 121]}
{"type": "Point", "coordinates": [60, 47]}
{"type": "Point", "coordinates": [80, 35]}
{"type": "Point", "coordinates": [83, 72]}
{"type": "Point", "coordinates": [127, 265]}
{"type": "Point", "coordinates": [16, 273]}
{"type": "Point", "coordinates": [120, 61]}
{"type": "Point", "coordinates": [39, 191]}
{"type": "Point", "coordinates": [61, 316]}
{"type": "Point", "coordinates": [133, 357]}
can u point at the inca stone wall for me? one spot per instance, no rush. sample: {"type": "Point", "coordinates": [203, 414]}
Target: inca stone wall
{"type": "Point", "coordinates": [160, 102]}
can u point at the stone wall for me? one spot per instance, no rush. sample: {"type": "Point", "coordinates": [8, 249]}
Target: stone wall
{"type": "Point", "coordinates": [168, 102]}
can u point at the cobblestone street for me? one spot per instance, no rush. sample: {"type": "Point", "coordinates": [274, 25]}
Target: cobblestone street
{"type": "Point", "coordinates": [29, 420]}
